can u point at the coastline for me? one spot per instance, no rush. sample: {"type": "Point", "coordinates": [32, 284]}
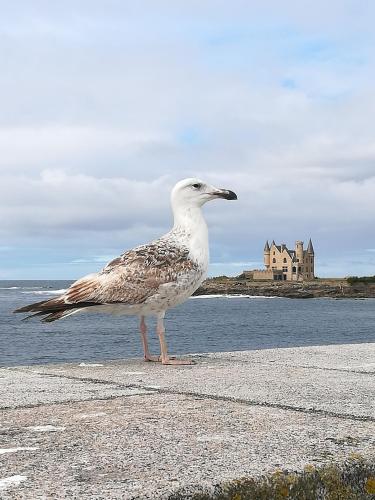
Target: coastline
{"type": "Point", "coordinates": [319, 288]}
{"type": "Point", "coordinates": [223, 286]}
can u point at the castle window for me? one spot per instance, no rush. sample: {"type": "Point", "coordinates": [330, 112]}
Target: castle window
{"type": "Point", "coordinates": [297, 260]}
{"type": "Point", "coordinates": [299, 269]}
{"type": "Point", "coordinates": [284, 259]}
{"type": "Point", "coordinates": [285, 269]}
{"type": "Point", "coordinates": [274, 261]}
{"type": "Point", "coordinates": [294, 269]}
{"type": "Point", "coordinates": [274, 253]}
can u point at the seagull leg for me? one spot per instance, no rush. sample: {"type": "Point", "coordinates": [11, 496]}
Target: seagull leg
{"type": "Point", "coordinates": [143, 329]}
{"type": "Point", "coordinates": [165, 359]}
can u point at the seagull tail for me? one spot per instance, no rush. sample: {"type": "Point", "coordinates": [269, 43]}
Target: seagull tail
{"type": "Point", "coordinates": [49, 318]}
{"type": "Point", "coordinates": [52, 309]}
{"type": "Point", "coordinates": [44, 305]}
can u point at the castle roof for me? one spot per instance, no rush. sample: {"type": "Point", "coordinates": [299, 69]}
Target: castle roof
{"type": "Point", "coordinates": [276, 246]}
{"type": "Point", "coordinates": [291, 253]}
{"type": "Point", "coordinates": [310, 248]}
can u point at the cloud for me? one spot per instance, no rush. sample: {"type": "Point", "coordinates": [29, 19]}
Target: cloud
{"type": "Point", "coordinates": [44, 147]}
{"type": "Point", "coordinates": [103, 109]}
{"type": "Point", "coordinates": [94, 259]}
{"type": "Point", "coordinates": [242, 265]}
{"type": "Point", "coordinates": [59, 202]}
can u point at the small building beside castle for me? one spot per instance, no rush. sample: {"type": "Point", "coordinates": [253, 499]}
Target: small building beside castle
{"type": "Point", "coordinates": [287, 265]}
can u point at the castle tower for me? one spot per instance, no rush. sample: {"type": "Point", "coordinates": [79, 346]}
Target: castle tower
{"type": "Point", "coordinates": [310, 248]}
{"type": "Point", "coordinates": [310, 260]}
{"type": "Point", "coordinates": [267, 255]}
{"type": "Point", "coordinates": [299, 251]}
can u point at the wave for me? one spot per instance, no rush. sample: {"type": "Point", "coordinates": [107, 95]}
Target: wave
{"type": "Point", "coordinates": [210, 296]}
{"type": "Point", "coordinates": [234, 296]}
{"type": "Point", "coordinates": [48, 292]}
{"type": "Point", "coordinates": [19, 287]}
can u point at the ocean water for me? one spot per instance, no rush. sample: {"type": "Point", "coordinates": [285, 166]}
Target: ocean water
{"type": "Point", "coordinates": [201, 324]}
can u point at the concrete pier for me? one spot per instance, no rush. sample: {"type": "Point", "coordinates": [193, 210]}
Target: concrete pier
{"type": "Point", "coordinates": [256, 424]}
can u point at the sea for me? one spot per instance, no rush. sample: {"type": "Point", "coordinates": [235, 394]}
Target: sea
{"type": "Point", "coordinates": [202, 324]}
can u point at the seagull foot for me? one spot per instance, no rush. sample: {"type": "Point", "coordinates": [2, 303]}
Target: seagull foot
{"type": "Point", "coordinates": [172, 361]}
{"type": "Point", "coordinates": [152, 359]}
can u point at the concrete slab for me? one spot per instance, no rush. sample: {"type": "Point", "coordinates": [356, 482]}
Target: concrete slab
{"type": "Point", "coordinates": [277, 377]}
{"type": "Point", "coordinates": [346, 357]}
{"type": "Point", "coordinates": [21, 388]}
{"type": "Point", "coordinates": [133, 430]}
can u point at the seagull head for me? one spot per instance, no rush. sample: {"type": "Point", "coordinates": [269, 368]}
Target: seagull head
{"type": "Point", "coordinates": [194, 192]}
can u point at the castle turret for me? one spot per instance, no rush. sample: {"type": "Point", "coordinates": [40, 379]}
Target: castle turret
{"type": "Point", "coordinates": [310, 248]}
{"type": "Point", "coordinates": [267, 255]}
{"type": "Point", "coordinates": [310, 260]}
{"type": "Point", "coordinates": [299, 251]}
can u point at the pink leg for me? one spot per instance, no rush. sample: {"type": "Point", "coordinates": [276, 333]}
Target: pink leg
{"type": "Point", "coordinates": [143, 329]}
{"type": "Point", "coordinates": [165, 359]}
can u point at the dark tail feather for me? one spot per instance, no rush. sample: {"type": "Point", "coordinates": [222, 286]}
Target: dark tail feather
{"type": "Point", "coordinates": [59, 315]}
{"type": "Point", "coordinates": [37, 306]}
{"type": "Point", "coordinates": [32, 315]}
{"type": "Point", "coordinates": [53, 309]}
{"type": "Point", "coordinates": [48, 318]}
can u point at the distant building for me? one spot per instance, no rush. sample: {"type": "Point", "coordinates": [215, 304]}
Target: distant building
{"type": "Point", "coordinates": [284, 264]}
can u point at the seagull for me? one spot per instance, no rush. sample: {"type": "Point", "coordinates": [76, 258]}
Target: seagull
{"type": "Point", "coordinates": [149, 279]}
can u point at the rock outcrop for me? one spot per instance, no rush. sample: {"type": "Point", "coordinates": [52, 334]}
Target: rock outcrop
{"type": "Point", "coordinates": [334, 288]}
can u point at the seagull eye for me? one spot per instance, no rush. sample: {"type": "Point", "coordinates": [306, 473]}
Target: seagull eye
{"type": "Point", "coordinates": [197, 186]}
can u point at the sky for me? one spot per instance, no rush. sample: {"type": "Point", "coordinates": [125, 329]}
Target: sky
{"type": "Point", "coordinates": [105, 105]}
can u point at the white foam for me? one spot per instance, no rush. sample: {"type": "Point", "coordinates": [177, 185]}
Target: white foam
{"type": "Point", "coordinates": [211, 296]}
{"type": "Point", "coordinates": [11, 481]}
{"type": "Point", "coordinates": [45, 428]}
{"type": "Point", "coordinates": [20, 287]}
{"type": "Point", "coordinates": [233, 296]}
{"type": "Point", "coordinates": [14, 450]}
{"type": "Point", "coordinates": [48, 292]}
{"type": "Point", "coordinates": [90, 364]}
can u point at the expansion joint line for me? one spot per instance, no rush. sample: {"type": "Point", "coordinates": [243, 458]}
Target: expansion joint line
{"type": "Point", "coordinates": [309, 367]}
{"type": "Point", "coordinates": [160, 390]}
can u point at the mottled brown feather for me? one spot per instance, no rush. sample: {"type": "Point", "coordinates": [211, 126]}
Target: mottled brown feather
{"type": "Point", "coordinates": [129, 279]}
{"type": "Point", "coordinates": [134, 276]}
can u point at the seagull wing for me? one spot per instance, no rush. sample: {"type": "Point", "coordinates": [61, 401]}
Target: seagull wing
{"type": "Point", "coordinates": [129, 279]}
{"type": "Point", "coordinates": [134, 276]}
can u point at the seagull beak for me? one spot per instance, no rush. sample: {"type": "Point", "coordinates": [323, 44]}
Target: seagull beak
{"type": "Point", "coordinates": [224, 193]}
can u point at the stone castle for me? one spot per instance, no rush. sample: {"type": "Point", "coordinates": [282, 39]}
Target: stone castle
{"type": "Point", "coordinates": [284, 264]}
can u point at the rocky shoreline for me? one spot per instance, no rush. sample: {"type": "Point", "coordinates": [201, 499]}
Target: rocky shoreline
{"type": "Point", "coordinates": [333, 288]}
